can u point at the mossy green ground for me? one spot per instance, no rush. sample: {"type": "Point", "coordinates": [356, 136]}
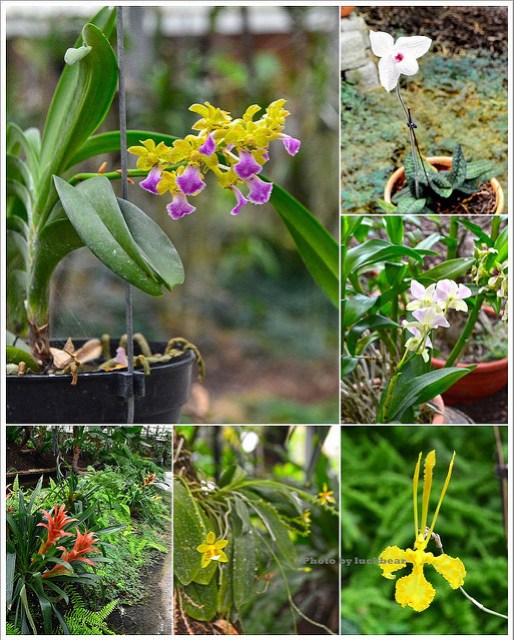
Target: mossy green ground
{"type": "Point", "coordinates": [376, 488]}
{"type": "Point", "coordinates": [453, 99]}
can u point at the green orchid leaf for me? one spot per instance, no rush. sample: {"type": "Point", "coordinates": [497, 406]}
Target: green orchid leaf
{"type": "Point", "coordinates": [277, 531]}
{"type": "Point", "coordinates": [356, 308]}
{"type": "Point", "coordinates": [110, 142]}
{"type": "Point", "coordinates": [347, 366]}
{"type": "Point", "coordinates": [409, 392]}
{"type": "Point", "coordinates": [205, 575]}
{"type": "Point", "coordinates": [15, 355]}
{"type": "Point", "coordinates": [231, 475]}
{"type": "Point", "coordinates": [316, 246]}
{"type": "Point", "coordinates": [243, 567]}
{"type": "Point", "coordinates": [441, 184]}
{"type": "Point", "coordinates": [377, 251]}
{"type": "Point", "coordinates": [481, 170]}
{"type": "Point", "coordinates": [188, 533]}
{"type": "Point", "coordinates": [201, 601]}
{"type": "Point", "coordinates": [394, 226]}
{"type": "Point", "coordinates": [243, 514]}
{"type": "Point", "coordinates": [154, 245]}
{"type": "Point", "coordinates": [408, 204]}
{"type": "Point", "coordinates": [502, 245]}
{"type": "Point", "coordinates": [80, 103]}
{"type": "Point", "coordinates": [94, 232]}
{"type": "Point", "coordinates": [451, 269]}
{"type": "Point", "coordinates": [458, 172]}
{"type": "Point", "coordinates": [29, 141]}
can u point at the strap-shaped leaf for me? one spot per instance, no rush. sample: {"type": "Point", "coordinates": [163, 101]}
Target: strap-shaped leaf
{"type": "Point", "coordinates": [316, 246]}
{"type": "Point", "coordinates": [154, 244]}
{"type": "Point", "coordinates": [29, 141]}
{"type": "Point", "coordinates": [278, 532]}
{"type": "Point", "coordinates": [79, 105]}
{"type": "Point", "coordinates": [356, 308]}
{"type": "Point", "coordinates": [96, 235]}
{"type": "Point", "coordinates": [375, 251]}
{"type": "Point", "coordinates": [451, 269]}
{"type": "Point", "coordinates": [243, 567]}
{"type": "Point", "coordinates": [457, 173]}
{"type": "Point", "coordinates": [410, 392]}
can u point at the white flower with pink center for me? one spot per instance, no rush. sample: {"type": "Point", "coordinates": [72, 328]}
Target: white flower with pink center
{"type": "Point", "coordinates": [397, 58]}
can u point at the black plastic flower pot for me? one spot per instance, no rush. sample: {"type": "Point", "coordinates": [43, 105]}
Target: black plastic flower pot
{"type": "Point", "coordinates": [101, 397]}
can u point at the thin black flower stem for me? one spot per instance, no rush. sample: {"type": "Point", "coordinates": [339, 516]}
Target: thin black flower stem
{"type": "Point", "coordinates": [439, 545]}
{"type": "Point", "coordinates": [124, 194]}
{"type": "Point", "coordinates": [413, 142]}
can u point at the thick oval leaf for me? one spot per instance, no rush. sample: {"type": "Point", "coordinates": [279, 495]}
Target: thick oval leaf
{"type": "Point", "coordinates": [408, 204]}
{"type": "Point", "coordinates": [201, 601]}
{"type": "Point", "coordinates": [243, 568]}
{"type": "Point", "coordinates": [97, 237]}
{"type": "Point", "coordinates": [188, 532]}
{"type": "Point", "coordinates": [154, 245]}
{"type": "Point", "coordinates": [410, 392]}
{"type": "Point", "coordinates": [99, 192]}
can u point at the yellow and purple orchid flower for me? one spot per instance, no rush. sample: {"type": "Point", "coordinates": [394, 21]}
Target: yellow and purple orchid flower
{"type": "Point", "coordinates": [414, 590]}
{"type": "Point", "coordinates": [234, 150]}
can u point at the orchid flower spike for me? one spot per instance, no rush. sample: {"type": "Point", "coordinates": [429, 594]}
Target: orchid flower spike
{"type": "Point", "coordinates": [398, 57]}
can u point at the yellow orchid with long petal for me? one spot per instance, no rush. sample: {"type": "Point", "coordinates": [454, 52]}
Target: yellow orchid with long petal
{"type": "Point", "coordinates": [414, 590]}
{"type": "Point", "coordinates": [325, 495]}
{"type": "Point", "coordinates": [212, 549]}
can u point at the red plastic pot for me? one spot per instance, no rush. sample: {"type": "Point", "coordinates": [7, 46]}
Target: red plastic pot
{"type": "Point", "coordinates": [482, 382]}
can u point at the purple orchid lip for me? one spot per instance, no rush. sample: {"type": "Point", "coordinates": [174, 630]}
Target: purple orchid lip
{"type": "Point", "coordinates": [241, 201]}
{"type": "Point", "coordinates": [190, 182]}
{"type": "Point", "coordinates": [247, 166]}
{"type": "Point", "coordinates": [209, 146]}
{"type": "Point", "coordinates": [260, 191]}
{"type": "Point", "coordinates": [291, 145]}
{"type": "Point", "coordinates": [152, 180]}
{"type": "Point", "coordinates": [179, 207]}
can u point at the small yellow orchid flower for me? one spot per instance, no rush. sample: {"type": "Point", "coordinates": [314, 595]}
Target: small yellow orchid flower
{"type": "Point", "coordinates": [306, 517]}
{"type": "Point", "coordinates": [326, 495]}
{"type": "Point", "coordinates": [212, 549]}
{"type": "Point", "coordinates": [414, 590]}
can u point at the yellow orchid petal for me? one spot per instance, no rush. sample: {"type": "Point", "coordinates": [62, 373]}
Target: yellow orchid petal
{"type": "Point", "coordinates": [414, 590]}
{"type": "Point", "coordinates": [390, 560]}
{"type": "Point", "coordinates": [221, 544]}
{"type": "Point", "coordinates": [202, 548]}
{"type": "Point", "coordinates": [222, 556]}
{"type": "Point", "coordinates": [206, 561]}
{"type": "Point", "coordinates": [210, 538]}
{"type": "Point", "coordinates": [427, 487]}
{"type": "Point", "coordinates": [415, 480]}
{"type": "Point", "coordinates": [452, 569]}
{"type": "Point", "coordinates": [445, 486]}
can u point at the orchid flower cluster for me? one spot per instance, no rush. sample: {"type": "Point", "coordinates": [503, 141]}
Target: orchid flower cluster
{"type": "Point", "coordinates": [242, 143]}
{"type": "Point", "coordinates": [430, 307]}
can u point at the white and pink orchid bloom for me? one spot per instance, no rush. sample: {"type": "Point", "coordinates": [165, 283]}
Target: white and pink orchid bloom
{"type": "Point", "coordinates": [418, 343]}
{"type": "Point", "coordinates": [423, 296]}
{"type": "Point", "coordinates": [451, 295]}
{"type": "Point", "coordinates": [397, 58]}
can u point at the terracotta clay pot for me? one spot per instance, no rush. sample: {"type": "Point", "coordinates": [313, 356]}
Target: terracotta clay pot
{"type": "Point", "coordinates": [345, 11]}
{"type": "Point", "coordinates": [441, 162]}
{"type": "Point", "coordinates": [482, 382]}
{"type": "Point", "coordinates": [439, 418]}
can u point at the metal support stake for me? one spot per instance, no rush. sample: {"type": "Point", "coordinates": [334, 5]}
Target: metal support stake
{"type": "Point", "coordinates": [124, 194]}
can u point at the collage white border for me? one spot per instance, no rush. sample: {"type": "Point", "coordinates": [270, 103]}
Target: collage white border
{"type": "Point", "coordinates": [5, 4]}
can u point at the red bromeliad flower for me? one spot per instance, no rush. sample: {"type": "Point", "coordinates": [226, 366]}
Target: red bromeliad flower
{"type": "Point", "coordinates": [55, 527]}
{"type": "Point", "coordinates": [83, 544]}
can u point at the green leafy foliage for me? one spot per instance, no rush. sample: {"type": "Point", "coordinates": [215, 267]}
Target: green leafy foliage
{"type": "Point", "coordinates": [80, 620]}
